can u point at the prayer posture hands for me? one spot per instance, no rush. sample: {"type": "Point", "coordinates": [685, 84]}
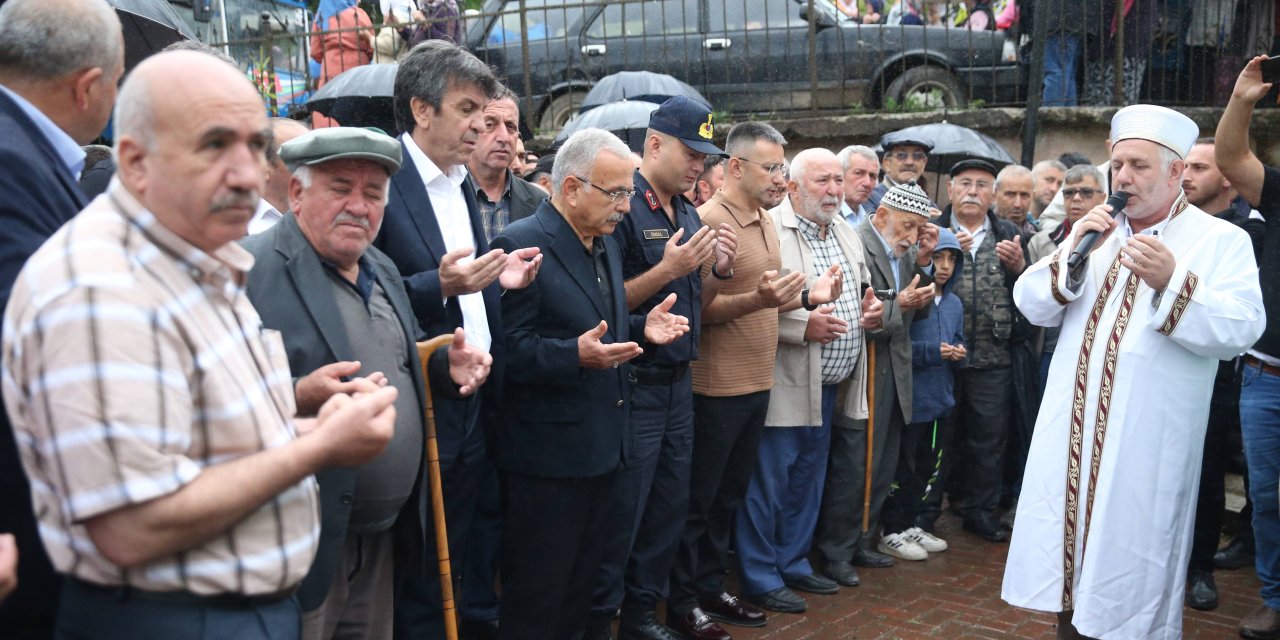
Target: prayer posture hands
{"type": "Point", "coordinates": [315, 388]}
{"type": "Point", "coordinates": [966, 240]}
{"type": "Point", "coordinates": [521, 268]}
{"type": "Point", "coordinates": [823, 326]}
{"type": "Point", "coordinates": [1150, 259]}
{"type": "Point", "coordinates": [468, 364]}
{"type": "Point", "coordinates": [354, 429]}
{"type": "Point", "coordinates": [726, 249]}
{"type": "Point", "coordinates": [912, 297]}
{"type": "Point", "coordinates": [827, 287]}
{"type": "Point", "coordinates": [872, 310]}
{"type": "Point", "coordinates": [925, 245]}
{"type": "Point", "coordinates": [774, 291]}
{"type": "Point", "coordinates": [594, 354]}
{"type": "Point", "coordinates": [1010, 254]}
{"type": "Point", "coordinates": [661, 326]}
{"type": "Point", "coordinates": [679, 260]}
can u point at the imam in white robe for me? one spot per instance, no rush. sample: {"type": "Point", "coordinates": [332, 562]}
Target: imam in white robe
{"type": "Point", "coordinates": [1110, 486]}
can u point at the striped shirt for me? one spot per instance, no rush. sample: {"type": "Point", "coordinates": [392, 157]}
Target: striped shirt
{"type": "Point", "coordinates": [132, 361]}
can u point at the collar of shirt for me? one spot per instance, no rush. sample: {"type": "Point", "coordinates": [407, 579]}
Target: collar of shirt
{"type": "Point", "coordinates": [266, 216]}
{"type": "Point", "coordinates": [978, 235]}
{"type": "Point", "coordinates": [364, 276]}
{"type": "Point", "coordinates": [480, 193]}
{"type": "Point", "coordinates": [68, 151]}
{"type": "Point", "coordinates": [1154, 230]}
{"type": "Point", "coordinates": [811, 229]}
{"type": "Point", "coordinates": [743, 217]}
{"type": "Point", "coordinates": [428, 169]}
{"type": "Point", "coordinates": [224, 269]}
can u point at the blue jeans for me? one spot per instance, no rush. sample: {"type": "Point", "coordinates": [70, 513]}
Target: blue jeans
{"type": "Point", "coordinates": [1260, 425]}
{"type": "Point", "coordinates": [1061, 52]}
{"type": "Point", "coordinates": [774, 527]}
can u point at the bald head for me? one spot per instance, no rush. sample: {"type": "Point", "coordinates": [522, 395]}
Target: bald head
{"type": "Point", "coordinates": [276, 190]}
{"type": "Point", "coordinates": [191, 142]}
{"type": "Point", "coordinates": [816, 185]}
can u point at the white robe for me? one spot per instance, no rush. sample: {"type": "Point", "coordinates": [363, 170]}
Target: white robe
{"type": "Point", "coordinates": [1139, 378]}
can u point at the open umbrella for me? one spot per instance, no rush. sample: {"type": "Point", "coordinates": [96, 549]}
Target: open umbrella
{"type": "Point", "coordinates": [627, 119]}
{"type": "Point", "coordinates": [953, 143]}
{"type": "Point", "coordinates": [360, 97]}
{"type": "Point", "coordinates": [645, 86]}
{"type": "Point", "coordinates": [149, 26]}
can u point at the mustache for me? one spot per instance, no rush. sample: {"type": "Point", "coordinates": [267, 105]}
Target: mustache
{"type": "Point", "coordinates": [352, 218]}
{"type": "Point", "coordinates": [970, 200]}
{"type": "Point", "coordinates": [236, 199]}
{"type": "Point", "coordinates": [615, 217]}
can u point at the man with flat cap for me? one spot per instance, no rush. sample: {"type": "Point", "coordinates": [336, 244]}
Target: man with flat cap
{"type": "Point", "coordinates": [984, 386]}
{"type": "Point", "coordinates": [343, 313]}
{"type": "Point", "coordinates": [663, 243]}
{"type": "Point", "coordinates": [1104, 523]}
{"type": "Point", "coordinates": [904, 158]}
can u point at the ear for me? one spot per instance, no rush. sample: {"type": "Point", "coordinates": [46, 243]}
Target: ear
{"type": "Point", "coordinates": [733, 166]}
{"type": "Point", "coordinates": [793, 186]}
{"type": "Point", "coordinates": [83, 84]}
{"type": "Point", "coordinates": [422, 111]}
{"type": "Point", "coordinates": [651, 145]}
{"type": "Point", "coordinates": [1176, 168]}
{"type": "Point", "coordinates": [295, 191]}
{"type": "Point", "coordinates": [131, 163]}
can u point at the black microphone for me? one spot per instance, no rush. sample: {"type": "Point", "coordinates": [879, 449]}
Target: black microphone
{"type": "Point", "coordinates": [1117, 201]}
{"type": "Point", "coordinates": [883, 295]}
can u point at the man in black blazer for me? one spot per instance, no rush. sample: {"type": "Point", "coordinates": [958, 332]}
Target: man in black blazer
{"type": "Point", "coordinates": [433, 233]}
{"type": "Point", "coordinates": [564, 428]}
{"type": "Point", "coordinates": [56, 94]}
{"type": "Point", "coordinates": [342, 311]}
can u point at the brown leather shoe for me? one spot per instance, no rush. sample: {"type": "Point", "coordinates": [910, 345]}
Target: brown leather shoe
{"type": "Point", "coordinates": [731, 610]}
{"type": "Point", "coordinates": [696, 625]}
{"type": "Point", "coordinates": [1262, 624]}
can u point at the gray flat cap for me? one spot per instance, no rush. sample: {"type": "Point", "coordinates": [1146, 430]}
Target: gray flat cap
{"type": "Point", "coordinates": [342, 143]}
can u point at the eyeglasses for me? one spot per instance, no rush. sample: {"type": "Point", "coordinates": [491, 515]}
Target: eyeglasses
{"type": "Point", "coordinates": [982, 185]}
{"type": "Point", "coordinates": [772, 169]}
{"type": "Point", "coordinates": [901, 156]}
{"type": "Point", "coordinates": [619, 196]}
{"type": "Point", "coordinates": [1084, 192]}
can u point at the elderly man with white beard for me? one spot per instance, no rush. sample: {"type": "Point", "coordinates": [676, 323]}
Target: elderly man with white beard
{"type": "Point", "coordinates": [819, 357]}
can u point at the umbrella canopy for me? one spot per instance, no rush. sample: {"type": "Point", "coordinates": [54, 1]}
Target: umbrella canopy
{"type": "Point", "coordinates": [360, 97]}
{"type": "Point", "coordinates": [149, 26]}
{"type": "Point", "coordinates": [953, 143]}
{"type": "Point", "coordinates": [627, 119]}
{"type": "Point", "coordinates": [645, 86]}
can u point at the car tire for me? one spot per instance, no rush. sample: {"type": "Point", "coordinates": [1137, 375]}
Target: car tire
{"type": "Point", "coordinates": [924, 80]}
{"type": "Point", "coordinates": [559, 110]}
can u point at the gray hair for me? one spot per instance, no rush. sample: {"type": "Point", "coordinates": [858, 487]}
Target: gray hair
{"type": "Point", "coordinates": [745, 135]}
{"type": "Point", "coordinates": [800, 163]}
{"type": "Point", "coordinates": [1081, 171]}
{"type": "Point", "coordinates": [1012, 171]}
{"type": "Point", "coordinates": [200, 47]}
{"type": "Point", "coordinates": [48, 39]}
{"type": "Point", "coordinates": [428, 72]}
{"type": "Point", "coordinates": [578, 154]}
{"type": "Point", "coordinates": [1167, 157]}
{"type": "Point", "coordinates": [846, 155]}
{"type": "Point", "coordinates": [1047, 164]}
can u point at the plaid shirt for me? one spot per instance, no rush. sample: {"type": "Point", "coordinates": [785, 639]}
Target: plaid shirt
{"type": "Point", "coordinates": [494, 213]}
{"type": "Point", "coordinates": [840, 355]}
{"type": "Point", "coordinates": [132, 361]}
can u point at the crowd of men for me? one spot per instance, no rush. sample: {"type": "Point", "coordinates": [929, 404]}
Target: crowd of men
{"type": "Point", "coordinates": [217, 411]}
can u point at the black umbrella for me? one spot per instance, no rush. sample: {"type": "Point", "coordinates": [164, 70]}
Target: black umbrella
{"type": "Point", "coordinates": [360, 97]}
{"type": "Point", "coordinates": [645, 86]}
{"type": "Point", "coordinates": [149, 26]}
{"type": "Point", "coordinates": [627, 119]}
{"type": "Point", "coordinates": [951, 144]}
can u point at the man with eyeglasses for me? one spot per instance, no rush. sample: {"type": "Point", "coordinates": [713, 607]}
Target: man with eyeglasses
{"type": "Point", "coordinates": [904, 160]}
{"type": "Point", "coordinates": [984, 386]}
{"type": "Point", "coordinates": [565, 435]}
{"type": "Point", "coordinates": [663, 245]}
{"type": "Point", "coordinates": [731, 381]}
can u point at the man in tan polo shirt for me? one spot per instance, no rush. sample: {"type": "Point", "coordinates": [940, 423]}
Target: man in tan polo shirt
{"type": "Point", "coordinates": [732, 378]}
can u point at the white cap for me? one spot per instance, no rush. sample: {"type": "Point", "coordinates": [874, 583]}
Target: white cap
{"type": "Point", "coordinates": [1161, 125]}
{"type": "Point", "coordinates": [909, 197]}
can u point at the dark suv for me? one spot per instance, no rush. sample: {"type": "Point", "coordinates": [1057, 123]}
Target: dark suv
{"type": "Point", "coordinates": [743, 55]}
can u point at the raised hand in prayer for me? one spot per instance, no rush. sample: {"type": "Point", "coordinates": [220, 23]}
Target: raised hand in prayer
{"type": "Point", "coordinates": [823, 326]}
{"type": "Point", "coordinates": [661, 326]}
{"type": "Point", "coordinates": [594, 354]}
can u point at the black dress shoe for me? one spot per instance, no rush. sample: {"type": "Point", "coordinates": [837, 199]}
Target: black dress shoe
{"type": "Point", "coordinates": [1202, 593]}
{"type": "Point", "coordinates": [984, 526]}
{"type": "Point", "coordinates": [782, 600]}
{"type": "Point", "coordinates": [868, 558]}
{"type": "Point", "coordinates": [1262, 624]}
{"type": "Point", "coordinates": [479, 630]}
{"type": "Point", "coordinates": [1238, 553]}
{"type": "Point", "coordinates": [842, 572]}
{"type": "Point", "coordinates": [697, 625]}
{"type": "Point", "coordinates": [813, 583]}
{"type": "Point", "coordinates": [731, 610]}
{"type": "Point", "coordinates": [646, 628]}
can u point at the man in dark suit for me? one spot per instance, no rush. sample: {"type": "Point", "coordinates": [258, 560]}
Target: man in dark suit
{"type": "Point", "coordinates": [57, 89]}
{"type": "Point", "coordinates": [564, 430]}
{"type": "Point", "coordinates": [889, 238]}
{"type": "Point", "coordinates": [342, 310]}
{"type": "Point", "coordinates": [502, 197]}
{"type": "Point", "coordinates": [434, 235]}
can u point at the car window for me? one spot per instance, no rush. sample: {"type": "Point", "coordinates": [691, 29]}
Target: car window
{"type": "Point", "coordinates": [738, 15]}
{"type": "Point", "coordinates": [631, 19]}
{"type": "Point", "coordinates": [546, 19]}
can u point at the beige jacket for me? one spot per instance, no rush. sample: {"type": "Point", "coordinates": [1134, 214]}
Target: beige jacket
{"type": "Point", "coordinates": [796, 398]}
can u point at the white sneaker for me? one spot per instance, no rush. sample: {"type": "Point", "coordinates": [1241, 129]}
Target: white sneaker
{"type": "Point", "coordinates": [926, 540]}
{"type": "Point", "coordinates": [899, 546]}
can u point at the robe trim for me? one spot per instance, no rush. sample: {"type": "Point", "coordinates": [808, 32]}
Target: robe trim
{"type": "Point", "coordinates": [1180, 303]}
{"type": "Point", "coordinates": [1054, 270]}
{"type": "Point", "coordinates": [1104, 401]}
{"type": "Point", "coordinates": [1077, 435]}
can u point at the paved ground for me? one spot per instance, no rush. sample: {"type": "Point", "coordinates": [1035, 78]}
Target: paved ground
{"type": "Point", "coordinates": [956, 595]}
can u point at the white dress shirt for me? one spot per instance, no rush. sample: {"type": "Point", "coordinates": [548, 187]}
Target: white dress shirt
{"type": "Point", "coordinates": [445, 192]}
{"type": "Point", "coordinates": [264, 218]}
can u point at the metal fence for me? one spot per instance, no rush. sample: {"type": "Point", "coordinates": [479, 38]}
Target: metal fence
{"type": "Point", "coordinates": [754, 57]}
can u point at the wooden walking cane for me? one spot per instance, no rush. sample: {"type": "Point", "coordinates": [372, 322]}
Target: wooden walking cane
{"type": "Point", "coordinates": [425, 349]}
{"type": "Point", "coordinates": [871, 432]}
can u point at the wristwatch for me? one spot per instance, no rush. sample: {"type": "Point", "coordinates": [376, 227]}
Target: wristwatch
{"type": "Point", "coordinates": [804, 301]}
{"type": "Point", "coordinates": [720, 276]}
